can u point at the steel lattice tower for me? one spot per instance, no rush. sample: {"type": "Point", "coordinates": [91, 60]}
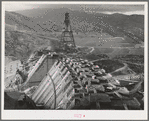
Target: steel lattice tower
{"type": "Point", "coordinates": [67, 39]}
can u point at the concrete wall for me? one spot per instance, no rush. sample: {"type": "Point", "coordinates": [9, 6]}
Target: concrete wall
{"type": "Point", "coordinates": [54, 88]}
{"type": "Point", "coordinates": [41, 72]}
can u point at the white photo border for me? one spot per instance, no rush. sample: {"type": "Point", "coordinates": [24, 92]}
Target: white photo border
{"type": "Point", "coordinates": [70, 114]}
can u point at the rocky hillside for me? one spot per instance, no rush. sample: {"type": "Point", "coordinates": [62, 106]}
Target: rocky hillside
{"type": "Point", "coordinates": [16, 21]}
{"type": "Point", "coordinates": [25, 30]}
{"type": "Point", "coordinates": [21, 45]}
{"type": "Point", "coordinates": [83, 21]}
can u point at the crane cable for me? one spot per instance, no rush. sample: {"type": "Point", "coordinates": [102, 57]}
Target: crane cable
{"type": "Point", "coordinates": [54, 91]}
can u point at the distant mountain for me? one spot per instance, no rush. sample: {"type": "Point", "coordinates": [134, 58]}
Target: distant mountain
{"type": "Point", "coordinates": [18, 21]}
{"type": "Point", "coordinates": [42, 22]}
{"type": "Point", "coordinates": [85, 21]}
{"type": "Point", "coordinates": [126, 21]}
{"type": "Point", "coordinates": [80, 20]}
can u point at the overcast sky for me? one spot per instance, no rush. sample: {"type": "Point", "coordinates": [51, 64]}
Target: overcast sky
{"type": "Point", "coordinates": [88, 7]}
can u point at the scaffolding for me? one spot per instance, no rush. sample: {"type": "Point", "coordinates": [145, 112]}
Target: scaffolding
{"type": "Point", "coordinates": [67, 38]}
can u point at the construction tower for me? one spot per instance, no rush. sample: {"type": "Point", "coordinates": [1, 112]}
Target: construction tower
{"type": "Point", "coordinates": [67, 39]}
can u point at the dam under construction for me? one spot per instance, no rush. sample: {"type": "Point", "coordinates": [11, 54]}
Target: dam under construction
{"type": "Point", "coordinates": [67, 80]}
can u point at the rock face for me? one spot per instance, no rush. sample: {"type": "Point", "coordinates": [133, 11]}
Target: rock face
{"type": "Point", "coordinates": [9, 103]}
{"type": "Point", "coordinates": [10, 71]}
{"type": "Point", "coordinates": [17, 100]}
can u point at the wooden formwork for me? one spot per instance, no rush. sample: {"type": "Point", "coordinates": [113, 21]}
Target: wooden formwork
{"type": "Point", "coordinates": [54, 87]}
{"type": "Point", "coordinates": [70, 85]}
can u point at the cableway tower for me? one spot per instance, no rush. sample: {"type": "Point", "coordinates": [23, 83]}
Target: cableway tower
{"type": "Point", "coordinates": [67, 38]}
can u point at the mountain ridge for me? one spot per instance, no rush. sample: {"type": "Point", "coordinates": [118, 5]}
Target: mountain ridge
{"type": "Point", "coordinates": [83, 21]}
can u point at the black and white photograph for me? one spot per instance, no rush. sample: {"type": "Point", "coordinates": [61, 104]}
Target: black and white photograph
{"type": "Point", "coordinates": [74, 60]}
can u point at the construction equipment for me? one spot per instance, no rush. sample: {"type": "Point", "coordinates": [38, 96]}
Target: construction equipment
{"type": "Point", "coordinates": [67, 39]}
